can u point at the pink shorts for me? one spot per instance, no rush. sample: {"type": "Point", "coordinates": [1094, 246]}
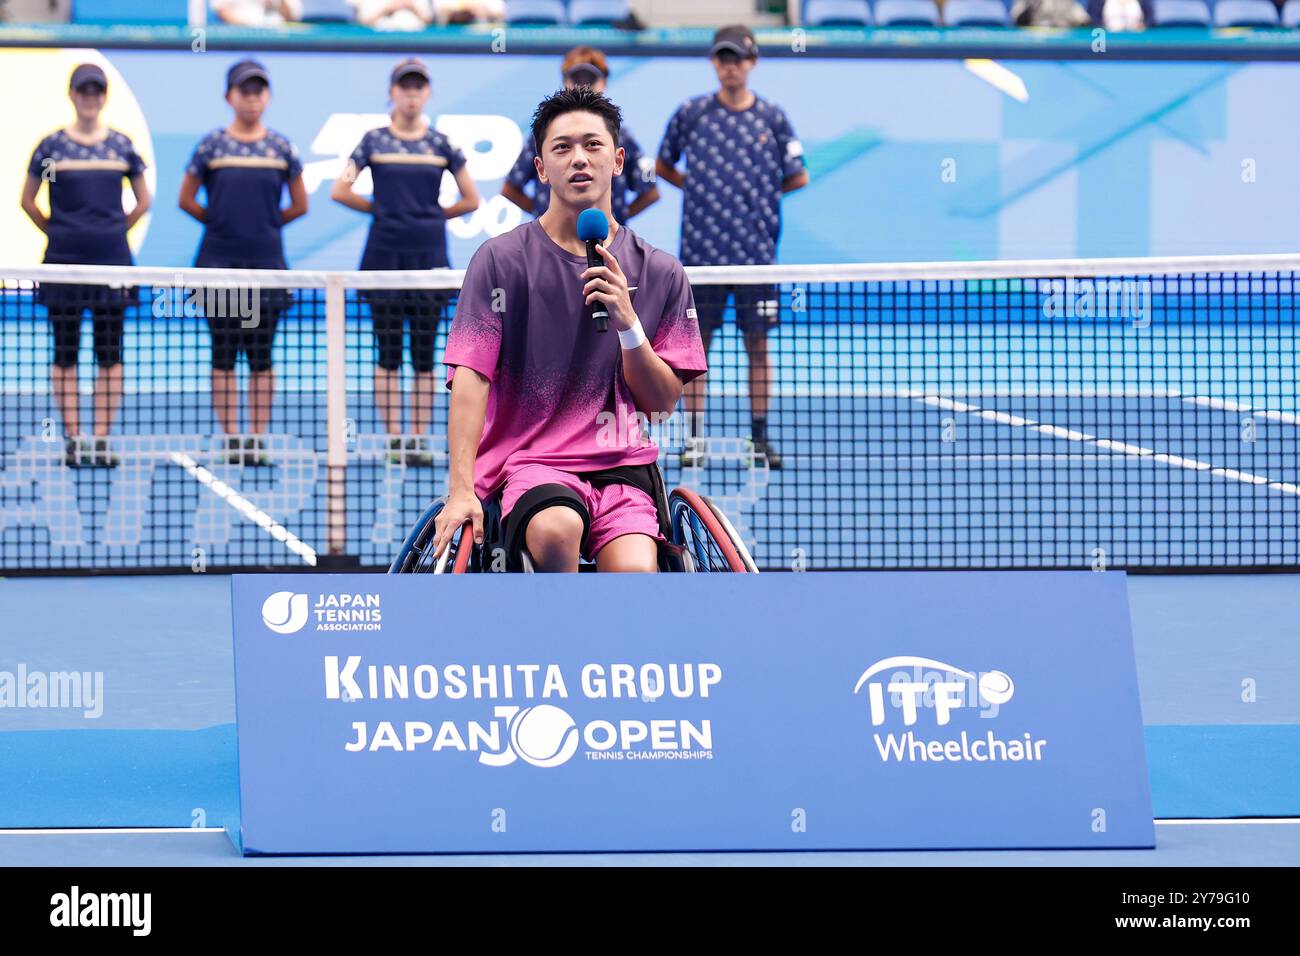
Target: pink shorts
{"type": "Point", "coordinates": [615, 510]}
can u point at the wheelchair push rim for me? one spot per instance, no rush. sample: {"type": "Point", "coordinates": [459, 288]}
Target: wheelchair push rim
{"type": "Point", "coordinates": [416, 554]}
{"type": "Point", "coordinates": [707, 536]}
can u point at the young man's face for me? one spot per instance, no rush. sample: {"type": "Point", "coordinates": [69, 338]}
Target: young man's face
{"type": "Point", "coordinates": [579, 159]}
{"type": "Point", "coordinates": [733, 69]}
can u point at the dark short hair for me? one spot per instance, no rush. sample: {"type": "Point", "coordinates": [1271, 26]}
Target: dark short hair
{"type": "Point", "coordinates": [580, 99]}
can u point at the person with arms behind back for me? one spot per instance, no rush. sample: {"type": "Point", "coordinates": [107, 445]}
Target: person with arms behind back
{"type": "Point", "coordinates": [84, 166]}
{"type": "Point", "coordinates": [245, 169]}
{"type": "Point", "coordinates": [741, 157]}
{"type": "Point", "coordinates": [408, 230]}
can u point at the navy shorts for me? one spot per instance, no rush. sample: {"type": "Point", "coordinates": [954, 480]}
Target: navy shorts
{"type": "Point", "coordinates": [395, 310]}
{"type": "Point", "coordinates": [421, 311]}
{"type": "Point", "coordinates": [758, 307]}
{"type": "Point", "coordinates": [232, 330]}
{"type": "Point", "coordinates": [107, 324]}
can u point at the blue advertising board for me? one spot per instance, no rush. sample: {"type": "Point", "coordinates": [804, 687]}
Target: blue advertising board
{"type": "Point", "coordinates": [385, 714]}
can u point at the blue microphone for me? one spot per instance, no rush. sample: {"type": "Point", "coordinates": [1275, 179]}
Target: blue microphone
{"type": "Point", "coordinates": [593, 227]}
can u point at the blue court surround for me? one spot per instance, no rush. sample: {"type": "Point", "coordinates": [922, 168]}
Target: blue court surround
{"type": "Point", "coordinates": [165, 748]}
{"type": "Point", "coordinates": [1249, 843]}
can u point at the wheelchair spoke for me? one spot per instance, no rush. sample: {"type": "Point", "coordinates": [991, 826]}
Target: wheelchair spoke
{"type": "Point", "coordinates": [699, 543]}
{"type": "Point", "coordinates": [705, 535]}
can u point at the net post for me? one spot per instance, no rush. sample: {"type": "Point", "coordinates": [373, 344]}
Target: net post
{"type": "Point", "coordinates": [336, 450]}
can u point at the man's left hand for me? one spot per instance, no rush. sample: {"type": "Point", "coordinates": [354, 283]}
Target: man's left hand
{"type": "Point", "coordinates": [608, 284]}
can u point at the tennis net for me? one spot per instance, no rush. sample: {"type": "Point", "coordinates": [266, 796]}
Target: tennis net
{"type": "Point", "coordinates": [1134, 413]}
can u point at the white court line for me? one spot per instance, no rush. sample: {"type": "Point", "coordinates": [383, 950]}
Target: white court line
{"type": "Point", "coordinates": [1227, 405]}
{"type": "Point", "coordinates": [1137, 451]}
{"type": "Point", "coordinates": [245, 507]}
{"type": "Point", "coordinates": [145, 831]}
{"type": "Point", "coordinates": [875, 391]}
{"type": "Point", "coordinates": [1076, 457]}
{"type": "Point", "coordinates": [863, 391]}
{"type": "Point", "coordinates": [1255, 821]}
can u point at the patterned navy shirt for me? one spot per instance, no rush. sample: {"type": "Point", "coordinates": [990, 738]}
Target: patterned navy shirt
{"type": "Point", "coordinates": [637, 178]}
{"type": "Point", "coordinates": [245, 183]}
{"type": "Point", "coordinates": [87, 221]}
{"type": "Point", "coordinates": [736, 161]}
{"type": "Point", "coordinates": [407, 174]}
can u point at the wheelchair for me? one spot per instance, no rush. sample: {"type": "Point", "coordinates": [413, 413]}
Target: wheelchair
{"type": "Point", "coordinates": [698, 538]}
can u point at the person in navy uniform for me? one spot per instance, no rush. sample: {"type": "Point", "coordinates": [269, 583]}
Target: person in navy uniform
{"type": "Point", "coordinates": [244, 169]}
{"type": "Point", "coordinates": [408, 230]}
{"type": "Point", "coordinates": [741, 157]}
{"type": "Point", "coordinates": [586, 66]}
{"type": "Point", "coordinates": [84, 165]}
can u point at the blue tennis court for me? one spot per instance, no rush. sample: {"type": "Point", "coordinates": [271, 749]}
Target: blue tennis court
{"type": "Point", "coordinates": [911, 439]}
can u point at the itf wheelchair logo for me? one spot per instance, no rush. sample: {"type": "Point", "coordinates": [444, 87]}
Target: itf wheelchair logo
{"type": "Point", "coordinates": [923, 682]}
{"type": "Point", "coordinates": [949, 689]}
{"type": "Point", "coordinates": [285, 612]}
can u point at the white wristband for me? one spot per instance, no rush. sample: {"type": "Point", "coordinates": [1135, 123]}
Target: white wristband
{"type": "Point", "coordinates": [633, 337]}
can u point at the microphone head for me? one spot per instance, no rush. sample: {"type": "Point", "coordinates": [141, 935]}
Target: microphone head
{"type": "Point", "coordinates": [593, 225]}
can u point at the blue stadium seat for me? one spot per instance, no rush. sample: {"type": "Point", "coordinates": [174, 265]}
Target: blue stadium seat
{"type": "Point", "coordinates": [836, 13]}
{"type": "Point", "coordinates": [978, 13]}
{"type": "Point", "coordinates": [536, 11]}
{"type": "Point", "coordinates": [328, 11]}
{"type": "Point", "coordinates": [130, 11]}
{"type": "Point", "coordinates": [598, 11]}
{"type": "Point", "coordinates": [1180, 13]}
{"type": "Point", "coordinates": [906, 13]}
{"type": "Point", "coordinates": [1245, 13]}
{"type": "Point", "coordinates": [1291, 14]}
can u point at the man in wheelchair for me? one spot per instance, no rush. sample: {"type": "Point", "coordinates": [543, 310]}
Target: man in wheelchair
{"type": "Point", "coordinates": [534, 385]}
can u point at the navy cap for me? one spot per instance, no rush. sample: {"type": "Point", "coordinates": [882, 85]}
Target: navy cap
{"type": "Point", "coordinates": [87, 73]}
{"type": "Point", "coordinates": [409, 67]}
{"type": "Point", "coordinates": [246, 70]}
{"type": "Point", "coordinates": [584, 74]}
{"type": "Point", "coordinates": [737, 40]}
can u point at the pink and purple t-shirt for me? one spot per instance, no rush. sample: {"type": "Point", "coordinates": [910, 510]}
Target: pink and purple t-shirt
{"type": "Point", "coordinates": [558, 397]}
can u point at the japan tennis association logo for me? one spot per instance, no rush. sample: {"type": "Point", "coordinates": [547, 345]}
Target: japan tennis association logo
{"type": "Point", "coordinates": [543, 735]}
{"type": "Point", "coordinates": [932, 683]}
{"type": "Point", "coordinates": [285, 612]}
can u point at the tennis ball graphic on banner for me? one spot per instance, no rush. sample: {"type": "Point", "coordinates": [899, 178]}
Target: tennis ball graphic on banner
{"type": "Point", "coordinates": [285, 612]}
{"type": "Point", "coordinates": [544, 735]}
{"type": "Point", "coordinates": [996, 687]}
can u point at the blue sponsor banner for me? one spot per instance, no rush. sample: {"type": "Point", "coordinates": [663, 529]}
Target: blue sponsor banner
{"type": "Point", "coordinates": [386, 714]}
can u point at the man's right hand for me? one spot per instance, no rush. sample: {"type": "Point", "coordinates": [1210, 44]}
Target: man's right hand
{"type": "Point", "coordinates": [461, 507]}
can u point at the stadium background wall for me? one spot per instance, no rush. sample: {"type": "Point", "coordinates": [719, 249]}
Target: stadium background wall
{"type": "Point", "coordinates": [911, 160]}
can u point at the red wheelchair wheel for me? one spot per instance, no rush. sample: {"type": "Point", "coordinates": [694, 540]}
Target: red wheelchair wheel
{"type": "Point", "coordinates": [705, 535]}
